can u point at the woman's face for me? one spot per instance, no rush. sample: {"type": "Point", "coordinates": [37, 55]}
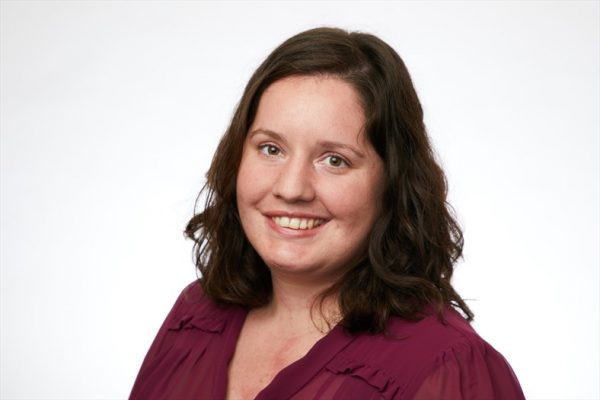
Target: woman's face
{"type": "Point", "coordinates": [309, 183]}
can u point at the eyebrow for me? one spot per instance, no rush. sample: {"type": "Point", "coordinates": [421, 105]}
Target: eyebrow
{"type": "Point", "coordinates": [267, 132]}
{"type": "Point", "coordinates": [338, 145]}
{"type": "Point", "coordinates": [324, 143]}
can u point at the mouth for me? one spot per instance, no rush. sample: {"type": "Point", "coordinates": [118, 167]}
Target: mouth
{"type": "Point", "coordinates": [298, 223]}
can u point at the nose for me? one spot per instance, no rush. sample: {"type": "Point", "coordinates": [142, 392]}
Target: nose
{"type": "Point", "coordinates": [295, 182]}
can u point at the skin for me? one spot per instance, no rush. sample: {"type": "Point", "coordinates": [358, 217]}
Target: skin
{"type": "Point", "coordinates": [305, 157]}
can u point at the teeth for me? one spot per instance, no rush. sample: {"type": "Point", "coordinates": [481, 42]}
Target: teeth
{"type": "Point", "coordinates": [297, 223]}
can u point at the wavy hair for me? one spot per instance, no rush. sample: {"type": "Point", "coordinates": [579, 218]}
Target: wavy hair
{"type": "Point", "coordinates": [414, 243]}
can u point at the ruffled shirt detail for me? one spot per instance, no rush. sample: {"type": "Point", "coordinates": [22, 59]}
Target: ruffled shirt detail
{"type": "Point", "coordinates": [376, 377]}
{"type": "Point", "coordinates": [205, 324]}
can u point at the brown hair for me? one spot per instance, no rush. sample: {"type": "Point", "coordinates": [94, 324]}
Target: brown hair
{"type": "Point", "coordinates": [415, 241]}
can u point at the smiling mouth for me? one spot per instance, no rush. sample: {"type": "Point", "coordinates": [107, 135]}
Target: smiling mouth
{"type": "Point", "coordinates": [298, 223]}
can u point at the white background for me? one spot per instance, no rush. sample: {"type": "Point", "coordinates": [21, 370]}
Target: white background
{"type": "Point", "coordinates": [111, 111]}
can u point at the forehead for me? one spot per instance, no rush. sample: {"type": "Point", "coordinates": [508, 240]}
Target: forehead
{"type": "Point", "coordinates": [323, 106]}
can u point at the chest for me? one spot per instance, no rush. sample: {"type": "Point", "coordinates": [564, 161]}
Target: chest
{"type": "Point", "coordinates": [260, 356]}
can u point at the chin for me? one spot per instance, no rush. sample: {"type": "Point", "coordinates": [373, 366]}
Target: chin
{"type": "Point", "coordinates": [288, 264]}
{"type": "Point", "coordinates": [293, 265]}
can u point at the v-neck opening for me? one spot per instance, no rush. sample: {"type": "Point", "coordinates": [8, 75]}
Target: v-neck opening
{"type": "Point", "coordinates": [291, 378]}
{"type": "Point", "coordinates": [297, 374]}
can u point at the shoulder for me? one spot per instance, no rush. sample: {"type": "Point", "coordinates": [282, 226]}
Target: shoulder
{"type": "Point", "coordinates": [193, 309]}
{"type": "Point", "coordinates": [430, 337]}
{"type": "Point", "coordinates": [411, 351]}
{"type": "Point", "coordinates": [419, 343]}
{"type": "Point", "coordinates": [194, 324]}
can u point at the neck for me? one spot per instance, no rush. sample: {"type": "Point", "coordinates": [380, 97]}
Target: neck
{"type": "Point", "coordinates": [295, 304]}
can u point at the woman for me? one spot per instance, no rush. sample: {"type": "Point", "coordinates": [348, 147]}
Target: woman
{"type": "Point", "coordinates": [325, 247]}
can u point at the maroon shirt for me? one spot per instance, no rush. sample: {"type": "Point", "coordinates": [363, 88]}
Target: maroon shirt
{"type": "Point", "coordinates": [422, 360]}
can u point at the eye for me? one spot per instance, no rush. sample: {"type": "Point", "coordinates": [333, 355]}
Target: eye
{"type": "Point", "coordinates": [269, 150]}
{"type": "Point", "coordinates": [336, 161]}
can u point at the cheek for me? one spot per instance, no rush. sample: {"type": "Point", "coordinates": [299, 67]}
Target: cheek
{"type": "Point", "coordinates": [243, 190]}
{"type": "Point", "coordinates": [251, 183]}
{"type": "Point", "coordinates": [355, 201]}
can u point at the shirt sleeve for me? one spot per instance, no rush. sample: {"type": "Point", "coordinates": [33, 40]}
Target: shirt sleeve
{"type": "Point", "coordinates": [471, 371]}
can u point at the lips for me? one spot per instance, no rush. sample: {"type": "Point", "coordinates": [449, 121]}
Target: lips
{"type": "Point", "coordinates": [297, 223]}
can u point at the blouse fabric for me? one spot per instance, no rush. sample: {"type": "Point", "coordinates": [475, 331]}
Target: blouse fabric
{"type": "Point", "coordinates": [423, 360]}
